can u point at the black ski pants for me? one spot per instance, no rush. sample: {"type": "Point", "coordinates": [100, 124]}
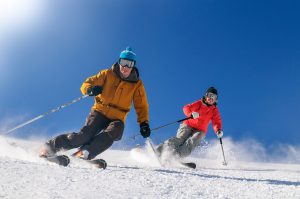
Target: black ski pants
{"type": "Point", "coordinates": [97, 135]}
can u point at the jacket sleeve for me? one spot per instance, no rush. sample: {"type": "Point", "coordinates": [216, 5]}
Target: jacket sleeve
{"type": "Point", "coordinates": [93, 81]}
{"type": "Point", "coordinates": [216, 120]}
{"type": "Point", "coordinates": [141, 103]}
{"type": "Point", "coordinates": [193, 107]}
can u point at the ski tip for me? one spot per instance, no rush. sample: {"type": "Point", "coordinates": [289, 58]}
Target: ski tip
{"type": "Point", "coordinates": [61, 160]}
{"type": "Point", "coordinates": [191, 165]}
{"type": "Point", "coordinates": [104, 163]}
{"type": "Point", "coordinates": [99, 163]}
{"type": "Point", "coordinates": [66, 160]}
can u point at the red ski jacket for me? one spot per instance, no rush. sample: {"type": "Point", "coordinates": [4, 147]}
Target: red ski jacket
{"type": "Point", "coordinates": [206, 114]}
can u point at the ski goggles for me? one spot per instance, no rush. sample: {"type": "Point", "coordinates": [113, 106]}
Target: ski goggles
{"type": "Point", "coordinates": [126, 63]}
{"type": "Point", "coordinates": [212, 96]}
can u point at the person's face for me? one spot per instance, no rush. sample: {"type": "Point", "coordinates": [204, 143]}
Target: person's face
{"type": "Point", "coordinates": [211, 98]}
{"type": "Point", "coordinates": [126, 67]}
{"type": "Point", "coordinates": [125, 71]}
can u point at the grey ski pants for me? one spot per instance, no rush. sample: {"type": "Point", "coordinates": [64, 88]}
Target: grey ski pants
{"type": "Point", "coordinates": [186, 140]}
{"type": "Point", "coordinates": [97, 135]}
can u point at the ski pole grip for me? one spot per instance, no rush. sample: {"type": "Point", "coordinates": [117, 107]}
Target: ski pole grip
{"type": "Point", "coordinates": [185, 119]}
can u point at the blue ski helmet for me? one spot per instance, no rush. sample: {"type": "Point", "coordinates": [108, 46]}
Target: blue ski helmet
{"type": "Point", "coordinates": [128, 54]}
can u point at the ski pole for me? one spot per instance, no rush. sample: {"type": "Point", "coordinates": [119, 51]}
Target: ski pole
{"type": "Point", "coordinates": [154, 150]}
{"type": "Point", "coordinates": [45, 114]}
{"type": "Point", "coordinates": [224, 163]}
{"type": "Point", "coordinates": [162, 126]}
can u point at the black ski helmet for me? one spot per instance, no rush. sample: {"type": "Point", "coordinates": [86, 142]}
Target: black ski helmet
{"type": "Point", "coordinates": [211, 90]}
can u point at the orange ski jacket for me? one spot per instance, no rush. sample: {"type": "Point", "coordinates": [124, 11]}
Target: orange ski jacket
{"type": "Point", "coordinates": [118, 94]}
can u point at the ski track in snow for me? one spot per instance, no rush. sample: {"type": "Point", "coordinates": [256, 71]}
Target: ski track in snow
{"type": "Point", "coordinates": [131, 174]}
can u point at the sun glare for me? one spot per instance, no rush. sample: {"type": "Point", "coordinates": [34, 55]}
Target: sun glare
{"type": "Point", "coordinates": [16, 18]}
{"type": "Point", "coordinates": [17, 13]}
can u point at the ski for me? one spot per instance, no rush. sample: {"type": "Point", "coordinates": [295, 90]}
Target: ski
{"type": "Point", "coordinates": [61, 160]}
{"type": "Point", "coordinates": [191, 165]}
{"type": "Point", "coordinates": [98, 163]}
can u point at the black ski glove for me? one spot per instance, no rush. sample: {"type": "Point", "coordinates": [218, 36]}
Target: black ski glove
{"type": "Point", "coordinates": [94, 90]}
{"type": "Point", "coordinates": [145, 129]}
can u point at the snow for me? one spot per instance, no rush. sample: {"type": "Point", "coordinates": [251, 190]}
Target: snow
{"type": "Point", "coordinates": [137, 174]}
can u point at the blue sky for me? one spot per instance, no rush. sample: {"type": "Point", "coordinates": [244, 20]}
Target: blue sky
{"type": "Point", "coordinates": [249, 50]}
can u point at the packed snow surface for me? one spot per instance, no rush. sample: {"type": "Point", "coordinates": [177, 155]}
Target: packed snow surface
{"type": "Point", "coordinates": [137, 174]}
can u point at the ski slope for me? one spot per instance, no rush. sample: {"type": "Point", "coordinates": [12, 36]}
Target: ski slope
{"type": "Point", "coordinates": [136, 174]}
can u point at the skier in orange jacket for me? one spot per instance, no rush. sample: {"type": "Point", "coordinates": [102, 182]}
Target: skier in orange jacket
{"type": "Point", "coordinates": [114, 90]}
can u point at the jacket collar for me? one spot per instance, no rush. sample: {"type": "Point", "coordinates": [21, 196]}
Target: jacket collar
{"type": "Point", "coordinates": [133, 77]}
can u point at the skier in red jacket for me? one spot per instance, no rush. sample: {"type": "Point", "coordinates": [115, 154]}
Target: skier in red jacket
{"type": "Point", "coordinates": [192, 131]}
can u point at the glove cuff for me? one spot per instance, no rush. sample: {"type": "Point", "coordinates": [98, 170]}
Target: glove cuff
{"type": "Point", "coordinates": [145, 123]}
{"type": "Point", "coordinates": [89, 90]}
